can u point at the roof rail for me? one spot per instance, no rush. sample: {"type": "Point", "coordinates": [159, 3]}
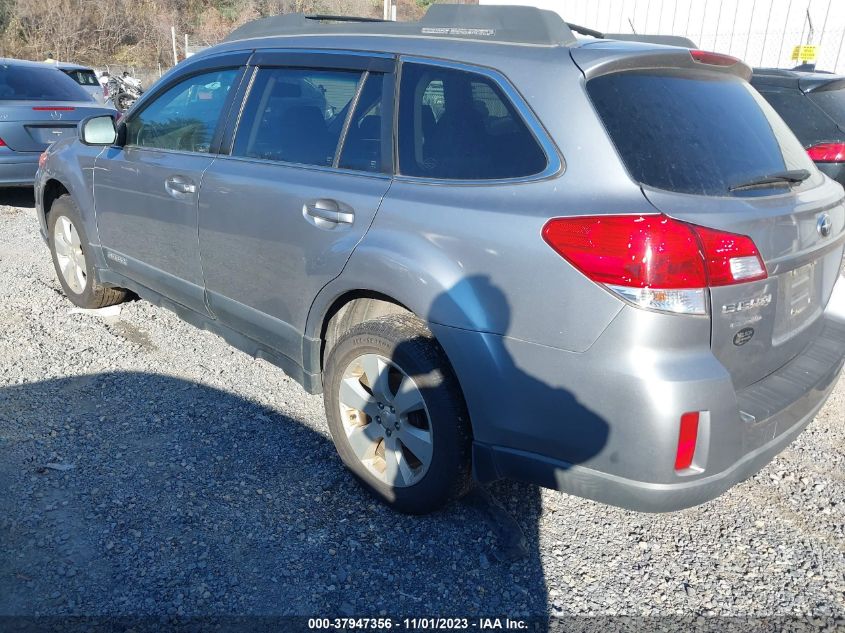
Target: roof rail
{"type": "Point", "coordinates": [341, 18]}
{"type": "Point", "coordinates": [507, 24]}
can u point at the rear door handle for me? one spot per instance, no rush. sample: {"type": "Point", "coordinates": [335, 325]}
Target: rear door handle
{"type": "Point", "coordinates": [325, 211]}
{"type": "Point", "coordinates": [179, 186]}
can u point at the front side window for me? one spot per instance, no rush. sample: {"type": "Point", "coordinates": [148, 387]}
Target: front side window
{"type": "Point", "coordinates": [296, 115]}
{"type": "Point", "coordinates": [185, 116]}
{"type": "Point", "coordinates": [459, 125]}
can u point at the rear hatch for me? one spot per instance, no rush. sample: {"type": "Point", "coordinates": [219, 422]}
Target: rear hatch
{"type": "Point", "coordinates": [40, 105]}
{"type": "Point", "coordinates": [690, 132]}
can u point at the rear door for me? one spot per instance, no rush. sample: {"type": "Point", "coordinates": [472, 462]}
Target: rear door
{"type": "Point", "coordinates": [689, 133]}
{"type": "Point", "coordinates": [309, 164]}
{"type": "Point", "coordinates": [146, 189]}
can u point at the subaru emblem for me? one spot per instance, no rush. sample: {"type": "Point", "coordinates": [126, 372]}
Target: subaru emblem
{"type": "Point", "coordinates": [824, 225]}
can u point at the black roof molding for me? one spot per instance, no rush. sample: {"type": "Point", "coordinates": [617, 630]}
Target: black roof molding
{"type": "Point", "coordinates": [504, 24]}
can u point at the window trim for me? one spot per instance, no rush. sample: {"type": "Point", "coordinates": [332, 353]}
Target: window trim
{"type": "Point", "coordinates": [555, 164]}
{"type": "Point", "coordinates": [319, 60]}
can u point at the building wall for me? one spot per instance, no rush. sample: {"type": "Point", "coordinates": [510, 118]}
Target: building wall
{"type": "Point", "coordinates": [762, 32]}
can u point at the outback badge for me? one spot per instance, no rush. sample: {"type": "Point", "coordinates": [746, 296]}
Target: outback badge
{"type": "Point", "coordinates": [743, 336]}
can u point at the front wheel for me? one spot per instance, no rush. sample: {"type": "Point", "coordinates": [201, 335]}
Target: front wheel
{"type": "Point", "coordinates": [69, 247]}
{"type": "Point", "coordinates": [397, 415]}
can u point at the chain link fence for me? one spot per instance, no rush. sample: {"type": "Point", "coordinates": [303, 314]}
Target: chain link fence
{"type": "Point", "coordinates": [761, 32]}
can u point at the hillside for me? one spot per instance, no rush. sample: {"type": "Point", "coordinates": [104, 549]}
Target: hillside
{"type": "Point", "coordinates": [137, 32]}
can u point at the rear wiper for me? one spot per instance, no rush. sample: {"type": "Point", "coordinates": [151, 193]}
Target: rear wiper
{"type": "Point", "coordinates": [789, 177]}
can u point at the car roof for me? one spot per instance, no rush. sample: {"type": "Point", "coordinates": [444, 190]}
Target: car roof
{"type": "Point", "coordinates": [806, 81]}
{"type": "Point", "coordinates": [502, 24]}
{"type": "Point", "coordinates": [71, 66]}
{"type": "Point", "coordinates": [25, 63]}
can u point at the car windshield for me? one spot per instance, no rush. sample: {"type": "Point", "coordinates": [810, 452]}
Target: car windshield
{"type": "Point", "coordinates": [31, 83]}
{"type": "Point", "coordinates": [699, 133]}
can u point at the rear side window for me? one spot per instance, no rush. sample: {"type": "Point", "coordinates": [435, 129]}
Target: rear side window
{"type": "Point", "coordinates": [832, 102]}
{"type": "Point", "coordinates": [459, 125]}
{"type": "Point", "coordinates": [296, 116]}
{"type": "Point", "coordinates": [185, 116]}
{"type": "Point", "coordinates": [28, 83]}
{"type": "Point", "coordinates": [809, 123]}
{"type": "Point", "coordinates": [697, 133]}
{"type": "Point", "coordinates": [83, 77]}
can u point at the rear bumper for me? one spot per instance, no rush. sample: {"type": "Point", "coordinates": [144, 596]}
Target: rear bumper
{"type": "Point", "coordinates": [18, 169]}
{"type": "Point", "coordinates": [499, 462]}
{"type": "Point", "coordinates": [604, 424]}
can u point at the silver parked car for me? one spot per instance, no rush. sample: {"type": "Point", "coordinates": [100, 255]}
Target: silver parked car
{"type": "Point", "coordinates": [87, 78]}
{"type": "Point", "coordinates": [39, 105]}
{"type": "Point", "coordinates": [604, 267]}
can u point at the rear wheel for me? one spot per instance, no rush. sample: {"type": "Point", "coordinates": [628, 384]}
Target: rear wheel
{"type": "Point", "coordinates": [74, 266]}
{"type": "Point", "coordinates": [396, 414]}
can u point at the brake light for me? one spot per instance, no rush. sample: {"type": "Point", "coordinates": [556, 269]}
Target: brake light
{"type": "Point", "coordinates": [2, 143]}
{"type": "Point", "coordinates": [687, 439]}
{"type": "Point", "coordinates": [827, 153]}
{"type": "Point", "coordinates": [654, 261]}
{"type": "Point", "coordinates": [106, 91]}
{"type": "Point", "coordinates": [713, 59]}
{"type": "Point", "coordinates": [730, 258]}
{"type": "Point", "coordinates": [53, 108]}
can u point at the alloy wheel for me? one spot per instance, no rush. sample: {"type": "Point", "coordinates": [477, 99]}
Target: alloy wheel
{"type": "Point", "coordinates": [70, 255]}
{"type": "Point", "coordinates": [385, 420]}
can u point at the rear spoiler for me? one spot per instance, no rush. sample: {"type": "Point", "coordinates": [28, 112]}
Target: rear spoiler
{"type": "Point", "coordinates": [663, 40]}
{"type": "Point", "coordinates": [603, 57]}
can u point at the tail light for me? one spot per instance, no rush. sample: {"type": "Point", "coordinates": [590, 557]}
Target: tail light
{"type": "Point", "coordinates": [687, 439]}
{"type": "Point", "coordinates": [827, 153]}
{"type": "Point", "coordinates": [654, 261]}
{"type": "Point", "coordinates": [2, 143]}
{"type": "Point", "coordinates": [106, 91]}
{"type": "Point", "coordinates": [53, 108]}
{"type": "Point", "coordinates": [42, 160]}
{"type": "Point", "coordinates": [713, 59]}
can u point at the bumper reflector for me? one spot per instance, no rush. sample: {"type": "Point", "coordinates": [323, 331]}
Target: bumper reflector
{"type": "Point", "coordinates": [687, 439]}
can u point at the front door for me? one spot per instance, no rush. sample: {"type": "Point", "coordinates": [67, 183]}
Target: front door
{"type": "Point", "coordinates": [309, 166]}
{"type": "Point", "coordinates": [146, 191]}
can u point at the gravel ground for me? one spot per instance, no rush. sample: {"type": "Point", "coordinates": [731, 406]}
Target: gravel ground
{"type": "Point", "coordinates": [146, 468]}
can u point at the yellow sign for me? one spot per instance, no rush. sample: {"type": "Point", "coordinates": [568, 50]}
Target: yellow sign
{"type": "Point", "coordinates": [804, 53]}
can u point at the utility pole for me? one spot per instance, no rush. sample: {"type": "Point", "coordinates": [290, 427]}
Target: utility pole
{"type": "Point", "coordinates": [173, 41]}
{"type": "Point", "coordinates": [390, 10]}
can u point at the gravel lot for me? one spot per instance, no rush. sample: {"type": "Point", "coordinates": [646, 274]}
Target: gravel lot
{"type": "Point", "coordinates": [146, 468]}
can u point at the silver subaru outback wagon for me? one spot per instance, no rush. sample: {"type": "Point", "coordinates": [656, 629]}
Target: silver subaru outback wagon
{"type": "Point", "coordinates": [604, 267]}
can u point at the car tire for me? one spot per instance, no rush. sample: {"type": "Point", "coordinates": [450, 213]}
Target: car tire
{"type": "Point", "coordinates": [74, 265]}
{"type": "Point", "coordinates": [409, 443]}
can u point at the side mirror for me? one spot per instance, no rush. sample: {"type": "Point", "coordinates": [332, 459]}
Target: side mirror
{"type": "Point", "coordinates": [98, 130]}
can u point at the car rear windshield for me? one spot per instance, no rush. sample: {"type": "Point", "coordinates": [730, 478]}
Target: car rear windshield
{"type": "Point", "coordinates": [694, 132]}
{"type": "Point", "coordinates": [82, 77]}
{"type": "Point", "coordinates": [30, 83]}
{"type": "Point", "coordinates": [832, 102]}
